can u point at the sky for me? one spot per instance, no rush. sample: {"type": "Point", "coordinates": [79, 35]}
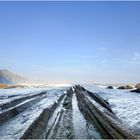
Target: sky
{"type": "Point", "coordinates": [71, 42]}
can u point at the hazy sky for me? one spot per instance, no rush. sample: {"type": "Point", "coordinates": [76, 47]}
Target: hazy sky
{"type": "Point", "coordinates": [81, 42]}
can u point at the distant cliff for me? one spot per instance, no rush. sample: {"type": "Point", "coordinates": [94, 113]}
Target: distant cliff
{"type": "Point", "coordinates": [7, 77]}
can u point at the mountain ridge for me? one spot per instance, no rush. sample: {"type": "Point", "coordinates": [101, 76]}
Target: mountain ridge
{"type": "Point", "coordinates": [8, 77]}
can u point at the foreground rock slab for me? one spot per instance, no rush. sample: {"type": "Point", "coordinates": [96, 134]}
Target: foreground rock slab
{"type": "Point", "coordinates": [76, 114]}
{"type": "Point", "coordinates": [105, 120]}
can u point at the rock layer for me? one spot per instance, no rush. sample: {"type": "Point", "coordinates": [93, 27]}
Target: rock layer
{"type": "Point", "coordinates": [108, 125]}
{"type": "Point", "coordinates": [125, 87]}
{"type": "Point", "coordinates": [76, 111]}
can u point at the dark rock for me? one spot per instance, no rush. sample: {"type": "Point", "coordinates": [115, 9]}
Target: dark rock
{"type": "Point", "coordinates": [136, 90]}
{"type": "Point", "coordinates": [125, 87]}
{"type": "Point", "coordinates": [137, 85]}
{"type": "Point", "coordinates": [67, 104]}
{"type": "Point", "coordinates": [121, 87]}
{"type": "Point", "coordinates": [110, 87]}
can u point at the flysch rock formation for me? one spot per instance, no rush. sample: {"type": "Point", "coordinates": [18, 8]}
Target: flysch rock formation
{"type": "Point", "coordinates": [76, 114]}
